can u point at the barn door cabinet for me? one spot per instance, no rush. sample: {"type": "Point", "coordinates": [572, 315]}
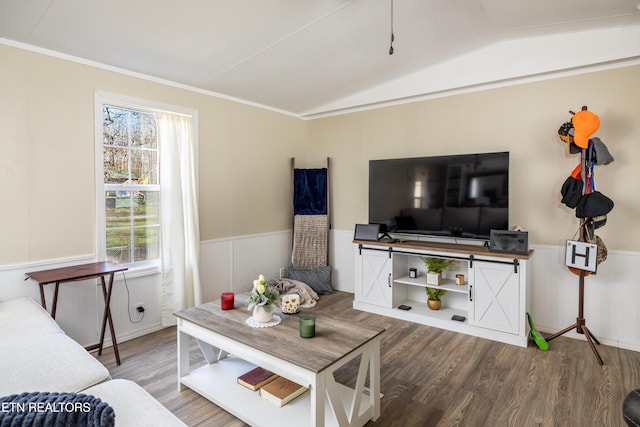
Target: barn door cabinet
{"type": "Point", "coordinates": [493, 300]}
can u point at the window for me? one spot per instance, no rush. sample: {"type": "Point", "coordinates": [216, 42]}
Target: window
{"type": "Point", "coordinates": [131, 185]}
{"type": "Point", "coordinates": [147, 193]}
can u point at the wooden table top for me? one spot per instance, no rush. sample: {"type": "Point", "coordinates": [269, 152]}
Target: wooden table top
{"type": "Point", "coordinates": [76, 272]}
{"type": "Point", "coordinates": [458, 248]}
{"type": "Point", "coordinates": [334, 338]}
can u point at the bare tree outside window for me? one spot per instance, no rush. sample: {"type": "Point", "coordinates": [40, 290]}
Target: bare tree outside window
{"type": "Point", "coordinates": [131, 183]}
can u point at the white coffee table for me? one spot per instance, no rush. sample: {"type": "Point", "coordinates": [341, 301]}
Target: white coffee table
{"type": "Point", "coordinates": [231, 348]}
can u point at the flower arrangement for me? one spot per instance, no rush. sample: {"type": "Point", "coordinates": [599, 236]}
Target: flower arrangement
{"type": "Point", "coordinates": [262, 294]}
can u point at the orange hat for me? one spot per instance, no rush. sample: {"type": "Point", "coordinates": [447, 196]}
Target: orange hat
{"type": "Point", "coordinates": [584, 124]}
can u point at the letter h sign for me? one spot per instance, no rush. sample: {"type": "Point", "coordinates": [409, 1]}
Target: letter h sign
{"type": "Point", "coordinates": [581, 255]}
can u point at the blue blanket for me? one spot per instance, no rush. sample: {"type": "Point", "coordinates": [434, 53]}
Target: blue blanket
{"type": "Point", "coordinates": [55, 410]}
{"type": "Point", "coordinates": [310, 191]}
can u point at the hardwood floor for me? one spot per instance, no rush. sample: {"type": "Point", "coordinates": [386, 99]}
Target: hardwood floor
{"type": "Point", "coordinates": [431, 377]}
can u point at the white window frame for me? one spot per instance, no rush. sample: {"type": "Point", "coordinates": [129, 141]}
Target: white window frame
{"type": "Point", "coordinates": [100, 100]}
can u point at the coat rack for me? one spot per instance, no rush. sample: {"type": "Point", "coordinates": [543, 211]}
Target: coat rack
{"type": "Point", "coordinates": [584, 145]}
{"type": "Point", "coordinates": [580, 325]}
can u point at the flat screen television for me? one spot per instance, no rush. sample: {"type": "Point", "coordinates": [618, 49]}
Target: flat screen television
{"type": "Point", "coordinates": [454, 196]}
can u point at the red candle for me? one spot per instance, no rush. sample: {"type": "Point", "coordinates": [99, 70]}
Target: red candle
{"type": "Point", "coordinates": [227, 299]}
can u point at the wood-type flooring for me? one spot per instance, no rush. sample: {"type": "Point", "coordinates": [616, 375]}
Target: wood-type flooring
{"type": "Point", "coordinates": [431, 377]}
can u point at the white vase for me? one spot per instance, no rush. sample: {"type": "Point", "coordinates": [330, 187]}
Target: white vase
{"type": "Point", "coordinates": [262, 314]}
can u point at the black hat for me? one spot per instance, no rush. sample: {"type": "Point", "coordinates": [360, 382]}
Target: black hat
{"type": "Point", "coordinates": [593, 204]}
{"type": "Point", "coordinates": [571, 191]}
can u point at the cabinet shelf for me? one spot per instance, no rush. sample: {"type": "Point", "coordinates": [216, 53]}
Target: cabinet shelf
{"type": "Point", "coordinates": [446, 284]}
{"type": "Point", "coordinates": [419, 308]}
{"type": "Point", "coordinates": [218, 383]}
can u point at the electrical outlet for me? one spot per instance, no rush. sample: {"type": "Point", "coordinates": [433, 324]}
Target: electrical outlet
{"type": "Point", "coordinates": [139, 307]}
{"type": "Point", "coordinates": [283, 272]}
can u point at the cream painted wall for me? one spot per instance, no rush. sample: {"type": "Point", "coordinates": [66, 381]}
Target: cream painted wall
{"type": "Point", "coordinates": [47, 157]}
{"type": "Point", "coordinates": [521, 119]}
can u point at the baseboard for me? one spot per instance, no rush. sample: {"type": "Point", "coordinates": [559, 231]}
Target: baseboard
{"type": "Point", "coordinates": [133, 335]}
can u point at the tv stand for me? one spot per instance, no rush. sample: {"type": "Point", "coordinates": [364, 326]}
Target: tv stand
{"type": "Point", "coordinates": [494, 299]}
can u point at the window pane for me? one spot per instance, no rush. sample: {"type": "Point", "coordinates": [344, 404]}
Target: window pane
{"type": "Point", "coordinates": [147, 243]}
{"type": "Point", "coordinates": [115, 126]}
{"type": "Point", "coordinates": [146, 207]}
{"type": "Point", "coordinates": [143, 134]}
{"type": "Point", "coordinates": [119, 245]}
{"type": "Point", "coordinates": [116, 165]}
{"type": "Point", "coordinates": [132, 208]}
{"type": "Point", "coordinates": [118, 209]}
{"type": "Point", "coordinates": [144, 166]}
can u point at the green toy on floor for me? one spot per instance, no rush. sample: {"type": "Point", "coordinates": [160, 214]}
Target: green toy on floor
{"type": "Point", "coordinates": [535, 335]}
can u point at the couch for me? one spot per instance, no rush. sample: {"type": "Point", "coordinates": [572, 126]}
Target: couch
{"type": "Point", "coordinates": [37, 356]}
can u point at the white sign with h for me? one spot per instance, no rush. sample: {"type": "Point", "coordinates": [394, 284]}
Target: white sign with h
{"type": "Point", "coordinates": [581, 255]}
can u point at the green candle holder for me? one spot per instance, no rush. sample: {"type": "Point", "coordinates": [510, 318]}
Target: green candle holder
{"type": "Point", "coordinates": [307, 326]}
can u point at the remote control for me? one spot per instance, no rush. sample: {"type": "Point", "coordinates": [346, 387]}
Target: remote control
{"type": "Point", "coordinates": [404, 307]}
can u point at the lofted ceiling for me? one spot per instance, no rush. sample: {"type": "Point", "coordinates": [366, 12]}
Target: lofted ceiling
{"type": "Point", "coordinates": [313, 57]}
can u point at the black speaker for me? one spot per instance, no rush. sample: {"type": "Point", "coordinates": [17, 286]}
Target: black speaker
{"type": "Point", "coordinates": [510, 242]}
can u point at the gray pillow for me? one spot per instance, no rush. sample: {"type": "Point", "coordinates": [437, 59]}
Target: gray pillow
{"type": "Point", "coordinates": [319, 279]}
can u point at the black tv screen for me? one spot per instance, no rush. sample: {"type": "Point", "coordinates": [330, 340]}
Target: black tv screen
{"type": "Point", "coordinates": [455, 196]}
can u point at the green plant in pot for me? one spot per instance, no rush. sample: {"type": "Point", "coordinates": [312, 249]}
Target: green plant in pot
{"type": "Point", "coordinates": [435, 267]}
{"type": "Point", "coordinates": [433, 297]}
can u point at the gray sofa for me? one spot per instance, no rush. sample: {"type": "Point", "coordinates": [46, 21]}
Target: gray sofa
{"type": "Point", "coordinates": [37, 356]}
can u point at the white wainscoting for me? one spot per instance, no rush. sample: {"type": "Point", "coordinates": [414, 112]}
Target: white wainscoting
{"type": "Point", "coordinates": [612, 296]}
{"type": "Point", "coordinates": [232, 264]}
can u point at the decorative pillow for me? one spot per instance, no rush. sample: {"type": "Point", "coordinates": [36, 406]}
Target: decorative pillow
{"type": "Point", "coordinates": [319, 279]}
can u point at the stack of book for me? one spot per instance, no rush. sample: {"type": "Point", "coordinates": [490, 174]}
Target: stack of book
{"type": "Point", "coordinates": [256, 378]}
{"type": "Point", "coordinates": [272, 388]}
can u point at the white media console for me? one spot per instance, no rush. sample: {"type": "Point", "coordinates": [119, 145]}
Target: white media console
{"type": "Point", "coordinates": [494, 299]}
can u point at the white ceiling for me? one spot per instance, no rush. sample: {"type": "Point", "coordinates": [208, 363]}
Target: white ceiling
{"type": "Point", "coordinates": [312, 57]}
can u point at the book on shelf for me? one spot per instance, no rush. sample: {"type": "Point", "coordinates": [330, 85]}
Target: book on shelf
{"type": "Point", "coordinates": [256, 378]}
{"type": "Point", "coordinates": [281, 391]}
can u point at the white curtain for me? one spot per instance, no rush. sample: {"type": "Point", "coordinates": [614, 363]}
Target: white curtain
{"type": "Point", "coordinates": [180, 240]}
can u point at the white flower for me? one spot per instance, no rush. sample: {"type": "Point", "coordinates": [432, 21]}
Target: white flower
{"type": "Point", "coordinates": [262, 294]}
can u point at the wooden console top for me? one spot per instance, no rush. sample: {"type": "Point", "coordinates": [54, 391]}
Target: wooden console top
{"type": "Point", "coordinates": [442, 247]}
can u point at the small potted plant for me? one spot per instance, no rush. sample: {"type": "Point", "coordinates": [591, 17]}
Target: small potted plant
{"type": "Point", "coordinates": [433, 297]}
{"type": "Point", "coordinates": [435, 267]}
{"type": "Point", "coordinates": [262, 299]}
